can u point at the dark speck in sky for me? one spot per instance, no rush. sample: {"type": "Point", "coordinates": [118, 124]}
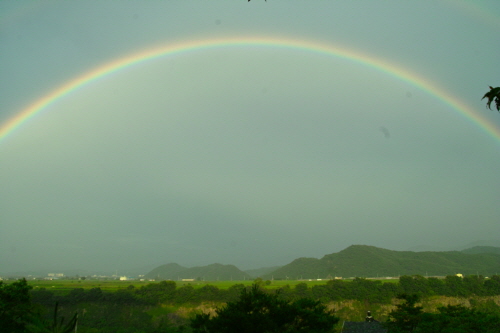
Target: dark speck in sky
{"type": "Point", "coordinates": [385, 131]}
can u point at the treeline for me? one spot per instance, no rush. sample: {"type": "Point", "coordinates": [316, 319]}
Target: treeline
{"type": "Point", "coordinates": [410, 317]}
{"type": "Point", "coordinates": [376, 291]}
{"type": "Point", "coordinates": [373, 291]}
{"type": "Point", "coordinates": [164, 292]}
{"type": "Point", "coordinates": [164, 307]}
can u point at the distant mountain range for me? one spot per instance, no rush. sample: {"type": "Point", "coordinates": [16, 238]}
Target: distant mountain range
{"type": "Point", "coordinates": [354, 261]}
{"type": "Point", "coordinates": [482, 249]}
{"type": "Point", "coordinates": [371, 261]}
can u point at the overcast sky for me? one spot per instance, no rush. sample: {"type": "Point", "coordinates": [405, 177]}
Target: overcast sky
{"type": "Point", "coordinates": [249, 155]}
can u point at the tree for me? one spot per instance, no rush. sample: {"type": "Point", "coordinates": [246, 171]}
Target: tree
{"type": "Point", "coordinates": [301, 290]}
{"type": "Point", "coordinates": [259, 312]}
{"type": "Point", "coordinates": [455, 286]}
{"type": "Point", "coordinates": [458, 319]}
{"type": "Point", "coordinates": [450, 319]}
{"type": "Point", "coordinates": [474, 284]}
{"type": "Point", "coordinates": [154, 293]}
{"type": "Point", "coordinates": [407, 315]}
{"type": "Point", "coordinates": [40, 325]}
{"type": "Point", "coordinates": [492, 285]}
{"type": "Point", "coordinates": [415, 284]}
{"type": "Point", "coordinates": [15, 306]}
{"type": "Point", "coordinates": [493, 94]}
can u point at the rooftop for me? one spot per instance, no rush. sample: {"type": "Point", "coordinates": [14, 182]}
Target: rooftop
{"type": "Point", "coordinates": [362, 327]}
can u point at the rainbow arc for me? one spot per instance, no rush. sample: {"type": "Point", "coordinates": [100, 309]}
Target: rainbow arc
{"type": "Point", "coordinates": [170, 50]}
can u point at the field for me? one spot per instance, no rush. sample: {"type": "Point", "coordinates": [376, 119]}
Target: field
{"type": "Point", "coordinates": [63, 286]}
{"type": "Point", "coordinates": [113, 285]}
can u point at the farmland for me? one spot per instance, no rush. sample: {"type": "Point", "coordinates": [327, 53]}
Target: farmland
{"type": "Point", "coordinates": [64, 286]}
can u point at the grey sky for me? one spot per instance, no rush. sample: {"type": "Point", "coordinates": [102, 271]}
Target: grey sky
{"type": "Point", "coordinates": [250, 156]}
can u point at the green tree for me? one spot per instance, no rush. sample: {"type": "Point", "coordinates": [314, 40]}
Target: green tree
{"type": "Point", "coordinates": [77, 295]}
{"type": "Point", "coordinates": [407, 315]}
{"type": "Point", "coordinates": [474, 284]}
{"type": "Point", "coordinates": [154, 293]}
{"type": "Point", "coordinates": [42, 296]}
{"type": "Point", "coordinates": [455, 286]}
{"type": "Point", "coordinates": [493, 95]}
{"type": "Point", "coordinates": [15, 306]}
{"type": "Point", "coordinates": [208, 293]}
{"type": "Point", "coordinates": [415, 284]}
{"type": "Point", "coordinates": [388, 291]}
{"type": "Point", "coordinates": [233, 292]}
{"type": "Point", "coordinates": [338, 289]}
{"type": "Point", "coordinates": [301, 290]}
{"type": "Point", "coordinates": [39, 325]}
{"type": "Point", "coordinates": [125, 296]}
{"type": "Point", "coordinates": [364, 290]}
{"type": "Point", "coordinates": [492, 285]}
{"type": "Point", "coordinates": [436, 286]}
{"type": "Point", "coordinates": [458, 319]}
{"type": "Point", "coordinates": [95, 295]}
{"type": "Point", "coordinates": [259, 312]}
{"type": "Point", "coordinates": [185, 294]}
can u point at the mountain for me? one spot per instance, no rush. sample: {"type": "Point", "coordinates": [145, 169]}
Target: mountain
{"type": "Point", "coordinates": [258, 272]}
{"type": "Point", "coordinates": [490, 242]}
{"type": "Point", "coordinates": [211, 272]}
{"type": "Point", "coordinates": [371, 261]}
{"type": "Point", "coordinates": [165, 272]}
{"type": "Point", "coordinates": [482, 249]}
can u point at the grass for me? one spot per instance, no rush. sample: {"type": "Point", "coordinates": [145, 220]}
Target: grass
{"type": "Point", "coordinates": [113, 285]}
{"type": "Point", "coordinates": [63, 286]}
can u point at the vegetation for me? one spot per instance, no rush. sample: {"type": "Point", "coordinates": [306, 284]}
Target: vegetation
{"type": "Point", "coordinates": [409, 317]}
{"type": "Point", "coordinates": [15, 306]}
{"type": "Point", "coordinates": [371, 261]}
{"type": "Point", "coordinates": [63, 287]}
{"type": "Point", "coordinates": [373, 291]}
{"type": "Point", "coordinates": [493, 95]}
{"type": "Point", "coordinates": [166, 306]}
{"type": "Point", "coordinates": [482, 249]}
{"type": "Point", "coordinates": [259, 312]}
{"type": "Point", "coordinates": [39, 325]}
{"type": "Point", "coordinates": [354, 261]}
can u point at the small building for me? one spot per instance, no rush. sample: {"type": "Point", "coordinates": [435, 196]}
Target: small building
{"type": "Point", "coordinates": [370, 325]}
{"type": "Point", "coordinates": [362, 327]}
{"type": "Point", "coordinates": [56, 275]}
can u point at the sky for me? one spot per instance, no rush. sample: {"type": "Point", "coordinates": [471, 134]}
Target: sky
{"type": "Point", "coordinates": [276, 130]}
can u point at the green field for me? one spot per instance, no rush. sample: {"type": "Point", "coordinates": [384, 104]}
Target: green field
{"type": "Point", "coordinates": [113, 285]}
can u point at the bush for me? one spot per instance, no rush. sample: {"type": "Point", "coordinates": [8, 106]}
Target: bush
{"type": "Point", "coordinates": [259, 312]}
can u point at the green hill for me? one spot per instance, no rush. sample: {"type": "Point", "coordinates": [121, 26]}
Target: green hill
{"type": "Point", "coordinates": [371, 261]}
{"type": "Point", "coordinates": [211, 272]}
{"type": "Point", "coordinates": [258, 272]}
{"type": "Point", "coordinates": [165, 272]}
{"type": "Point", "coordinates": [482, 249]}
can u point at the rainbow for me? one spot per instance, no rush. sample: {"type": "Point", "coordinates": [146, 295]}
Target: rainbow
{"type": "Point", "coordinates": [199, 45]}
